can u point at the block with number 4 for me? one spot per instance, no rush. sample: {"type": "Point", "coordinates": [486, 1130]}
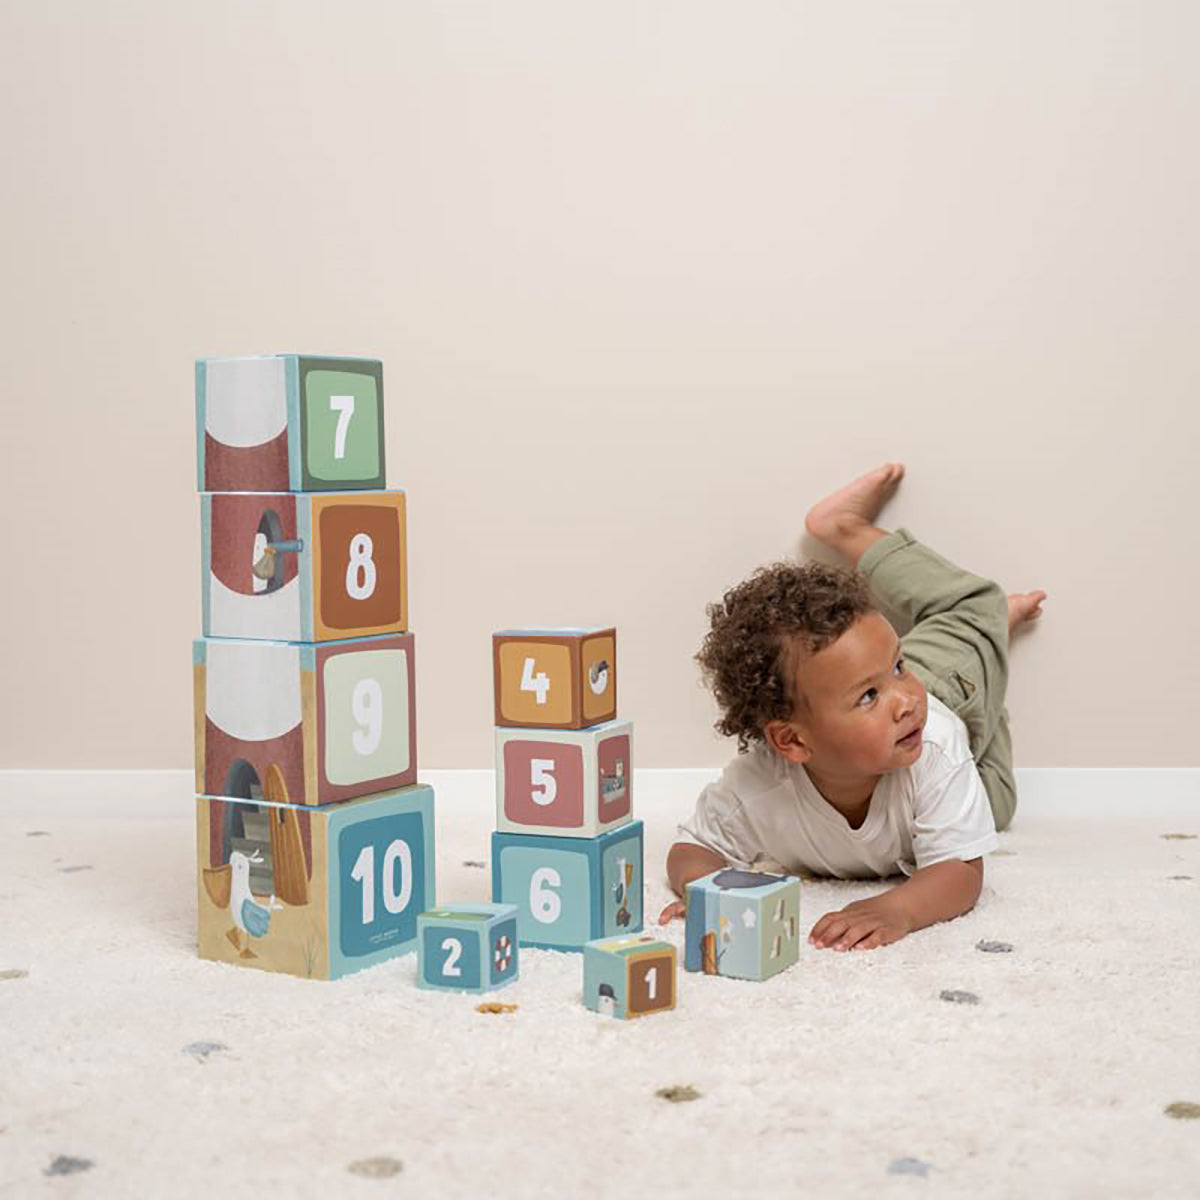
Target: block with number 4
{"type": "Point", "coordinates": [289, 423]}
{"type": "Point", "coordinates": [315, 892]}
{"type": "Point", "coordinates": [555, 678]}
{"type": "Point", "coordinates": [303, 568]}
{"type": "Point", "coordinates": [743, 924]}
{"type": "Point", "coordinates": [566, 783]}
{"type": "Point", "coordinates": [304, 724]}
{"type": "Point", "coordinates": [629, 976]}
{"type": "Point", "coordinates": [467, 947]}
{"type": "Point", "coordinates": [570, 890]}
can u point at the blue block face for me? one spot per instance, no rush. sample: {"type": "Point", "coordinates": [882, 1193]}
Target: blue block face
{"type": "Point", "coordinates": [742, 924]}
{"type": "Point", "coordinates": [468, 947]}
{"type": "Point", "coordinates": [570, 890]}
{"type": "Point", "coordinates": [450, 957]}
{"type": "Point", "coordinates": [381, 879]}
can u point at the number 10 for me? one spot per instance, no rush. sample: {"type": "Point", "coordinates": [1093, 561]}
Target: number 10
{"type": "Point", "coordinates": [364, 872]}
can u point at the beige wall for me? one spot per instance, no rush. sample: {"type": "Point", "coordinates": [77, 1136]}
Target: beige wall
{"type": "Point", "coordinates": [647, 279]}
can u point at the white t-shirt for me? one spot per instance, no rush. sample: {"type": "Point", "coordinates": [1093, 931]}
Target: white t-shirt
{"type": "Point", "coordinates": [765, 810]}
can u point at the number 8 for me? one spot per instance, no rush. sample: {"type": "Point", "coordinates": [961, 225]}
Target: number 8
{"type": "Point", "coordinates": [361, 563]}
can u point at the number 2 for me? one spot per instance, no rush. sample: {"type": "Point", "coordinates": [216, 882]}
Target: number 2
{"type": "Point", "coordinates": [344, 407]}
{"type": "Point", "coordinates": [450, 967]}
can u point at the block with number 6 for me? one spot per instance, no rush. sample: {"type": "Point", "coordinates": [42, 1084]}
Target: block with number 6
{"type": "Point", "coordinates": [467, 947]}
{"type": "Point", "coordinates": [314, 892]}
{"type": "Point", "coordinates": [304, 724]}
{"type": "Point", "coordinates": [565, 783]}
{"type": "Point", "coordinates": [629, 976]}
{"type": "Point", "coordinates": [302, 568]}
{"type": "Point", "coordinates": [289, 423]}
{"type": "Point", "coordinates": [555, 678]}
{"type": "Point", "coordinates": [570, 890]}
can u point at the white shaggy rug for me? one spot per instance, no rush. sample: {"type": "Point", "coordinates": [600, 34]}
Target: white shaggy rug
{"type": "Point", "coordinates": [128, 1067]}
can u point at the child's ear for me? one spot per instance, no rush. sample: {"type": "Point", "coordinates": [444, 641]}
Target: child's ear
{"type": "Point", "coordinates": [785, 739]}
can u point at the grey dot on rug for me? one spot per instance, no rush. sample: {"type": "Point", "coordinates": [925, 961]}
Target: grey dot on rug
{"type": "Point", "coordinates": [14, 973]}
{"type": "Point", "coordinates": [380, 1167]}
{"type": "Point", "coordinates": [957, 997]}
{"type": "Point", "coordinates": [38, 833]}
{"type": "Point", "coordinates": [909, 1166]}
{"type": "Point", "coordinates": [65, 1164]}
{"type": "Point", "coordinates": [1178, 837]}
{"type": "Point", "coordinates": [994, 947]}
{"type": "Point", "coordinates": [72, 870]}
{"type": "Point", "coordinates": [201, 1050]}
{"type": "Point", "coordinates": [1183, 1110]}
{"type": "Point", "coordinates": [678, 1095]}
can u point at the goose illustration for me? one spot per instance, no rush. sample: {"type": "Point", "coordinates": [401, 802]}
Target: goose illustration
{"type": "Point", "coordinates": [229, 886]}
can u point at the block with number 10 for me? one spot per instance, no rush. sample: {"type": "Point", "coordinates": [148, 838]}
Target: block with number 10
{"type": "Point", "coordinates": [555, 678]}
{"type": "Point", "coordinates": [299, 568]}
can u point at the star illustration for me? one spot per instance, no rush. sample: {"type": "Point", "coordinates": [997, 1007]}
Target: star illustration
{"type": "Point", "coordinates": [748, 918]}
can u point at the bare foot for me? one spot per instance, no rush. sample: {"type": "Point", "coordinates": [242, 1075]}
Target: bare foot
{"type": "Point", "coordinates": [1022, 607]}
{"type": "Point", "coordinates": [844, 520]}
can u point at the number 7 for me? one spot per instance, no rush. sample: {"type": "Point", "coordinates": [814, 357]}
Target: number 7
{"type": "Point", "coordinates": [344, 406]}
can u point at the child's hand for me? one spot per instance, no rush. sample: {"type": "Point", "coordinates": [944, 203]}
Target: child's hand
{"type": "Point", "coordinates": [677, 908]}
{"type": "Point", "coordinates": [863, 925]}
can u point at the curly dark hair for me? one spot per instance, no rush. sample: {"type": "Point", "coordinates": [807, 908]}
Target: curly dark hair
{"type": "Point", "coordinates": [748, 654]}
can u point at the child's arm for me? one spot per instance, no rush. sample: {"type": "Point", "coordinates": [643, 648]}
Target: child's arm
{"type": "Point", "coordinates": [685, 862]}
{"type": "Point", "coordinates": [934, 893]}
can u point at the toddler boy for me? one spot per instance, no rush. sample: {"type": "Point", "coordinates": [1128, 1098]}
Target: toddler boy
{"type": "Point", "coordinates": [861, 753]}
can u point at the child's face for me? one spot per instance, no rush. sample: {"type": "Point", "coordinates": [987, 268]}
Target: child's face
{"type": "Point", "coordinates": [859, 701]}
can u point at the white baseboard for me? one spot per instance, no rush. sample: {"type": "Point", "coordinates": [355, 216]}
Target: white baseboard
{"type": "Point", "coordinates": [1066, 793]}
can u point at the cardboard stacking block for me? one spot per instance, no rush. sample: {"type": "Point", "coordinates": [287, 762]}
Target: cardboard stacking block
{"type": "Point", "coordinates": [743, 924]}
{"type": "Point", "coordinates": [315, 892]}
{"type": "Point", "coordinates": [629, 976]}
{"type": "Point", "coordinates": [570, 890]}
{"type": "Point", "coordinates": [304, 724]}
{"type": "Point", "coordinates": [555, 678]}
{"type": "Point", "coordinates": [569, 783]}
{"type": "Point", "coordinates": [303, 568]}
{"type": "Point", "coordinates": [289, 423]}
{"type": "Point", "coordinates": [467, 947]}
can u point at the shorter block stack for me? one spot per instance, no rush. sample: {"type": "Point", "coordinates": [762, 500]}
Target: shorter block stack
{"type": "Point", "coordinates": [566, 850]}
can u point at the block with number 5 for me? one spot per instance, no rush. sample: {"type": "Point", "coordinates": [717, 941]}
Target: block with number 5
{"type": "Point", "coordinates": [303, 568]}
{"type": "Point", "coordinates": [629, 976]}
{"type": "Point", "coordinates": [289, 423]}
{"type": "Point", "coordinates": [304, 724]}
{"type": "Point", "coordinates": [314, 892]}
{"type": "Point", "coordinates": [570, 890]}
{"type": "Point", "coordinates": [555, 678]}
{"type": "Point", "coordinates": [467, 947]}
{"type": "Point", "coordinates": [565, 783]}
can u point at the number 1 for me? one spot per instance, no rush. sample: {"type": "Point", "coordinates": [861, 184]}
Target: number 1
{"type": "Point", "coordinates": [652, 983]}
{"type": "Point", "coordinates": [344, 406]}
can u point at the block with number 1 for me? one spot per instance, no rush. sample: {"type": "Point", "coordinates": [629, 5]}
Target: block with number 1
{"type": "Point", "coordinates": [555, 678]}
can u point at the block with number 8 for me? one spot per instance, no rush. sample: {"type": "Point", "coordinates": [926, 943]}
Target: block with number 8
{"type": "Point", "coordinates": [565, 783]}
{"type": "Point", "coordinates": [304, 724]}
{"type": "Point", "coordinates": [555, 678]}
{"type": "Point", "coordinates": [314, 892]}
{"type": "Point", "coordinates": [629, 976]}
{"type": "Point", "coordinates": [303, 568]}
{"type": "Point", "coordinates": [289, 423]}
{"type": "Point", "coordinates": [467, 947]}
{"type": "Point", "coordinates": [570, 890]}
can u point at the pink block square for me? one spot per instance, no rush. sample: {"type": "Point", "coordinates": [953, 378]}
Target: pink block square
{"type": "Point", "coordinates": [543, 784]}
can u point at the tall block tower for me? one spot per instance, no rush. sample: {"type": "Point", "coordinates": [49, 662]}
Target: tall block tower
{"type": "Point", "coordinates": [566, 850]}
{"type": "Point", "coordinates": [315, 849]}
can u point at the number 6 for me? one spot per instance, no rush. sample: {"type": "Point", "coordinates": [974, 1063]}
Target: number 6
{"type": "Point", "coordinates": [544, 903]}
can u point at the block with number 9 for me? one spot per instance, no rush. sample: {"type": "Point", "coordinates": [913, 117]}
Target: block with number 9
{"type": "Point", "coordinates": [555, 678]}
{"type": "Point", "coordinates": [304, 724]}
{"type": "Point", "coordinates": [303, 568]}
{"type": "Point", "coordinates": [467, 947]}
{"type": "Point", "coordinates": [570, 890]}
{"type": "Point", "coordinates": [565, 783]}
{"type": "Point", "coordinates": [629, 976]}
{"type": "Point", "coordinates": [289, 423]}
{"type": "Point", "coordinates": [314, 892]}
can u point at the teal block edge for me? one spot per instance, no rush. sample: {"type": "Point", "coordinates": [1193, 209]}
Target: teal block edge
{"type": "Point", "coordinates": [593, 849]}
{"type": "Point", "coordinates": [416, 799]}
{"type": "Point", "coordinates": [201, 411]}
{"type": "Point", "coordinates": [304, 565]}
{"type": "Point", "coordinates": [291, 376]}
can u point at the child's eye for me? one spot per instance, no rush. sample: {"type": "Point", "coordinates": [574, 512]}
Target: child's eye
{"type": "Point", "coordinates": [900, 666]}
{"type": "Point", "coordinates": [870, 692]}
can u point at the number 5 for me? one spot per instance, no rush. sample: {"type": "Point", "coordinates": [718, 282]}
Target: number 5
{"type": "Point", "coordinates": [541, 778]}
{"type": "Point", "coordinates": [344, 407]}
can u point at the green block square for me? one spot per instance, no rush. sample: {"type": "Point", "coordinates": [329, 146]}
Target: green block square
{"type": "Point", "coordinates": [343, 424]}
{"type": "Point", "coordinates": [366, 716]}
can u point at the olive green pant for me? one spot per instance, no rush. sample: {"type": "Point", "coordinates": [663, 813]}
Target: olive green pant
{"type": "Point", "coordinates": [953, 629]}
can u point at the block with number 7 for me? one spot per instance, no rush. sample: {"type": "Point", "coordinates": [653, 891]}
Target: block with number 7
{"type": "Point", "coordinates": [289, 423]}
{"type": "Point", "coordinates": [467, 947]}
{"type": "Point", "coordinates": [555, 678]}
{"type": "Point", "coordinates": [301, 568]}
{"type": "Point", "coordinates": [564, 782]}
{"type": "Point", "coordinates": [570, 890]}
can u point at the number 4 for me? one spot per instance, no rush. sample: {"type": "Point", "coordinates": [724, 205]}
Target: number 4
{"type": "Point", "coordinates": [539, 684]}
{"type": "Point", "coordinates": [344, 407]}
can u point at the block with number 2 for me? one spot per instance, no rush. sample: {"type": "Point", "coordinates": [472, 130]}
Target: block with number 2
{"type": "Point", "coordinates": [314, 892]}
{"type": "Point", "coordinates": [467, 947]}
{"type": "Point", "coordinates": [555, 678]}
{"type": "Point", "coordinates": [299, 568]}
{"type": "Point", "coordinates": [565, 783]}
